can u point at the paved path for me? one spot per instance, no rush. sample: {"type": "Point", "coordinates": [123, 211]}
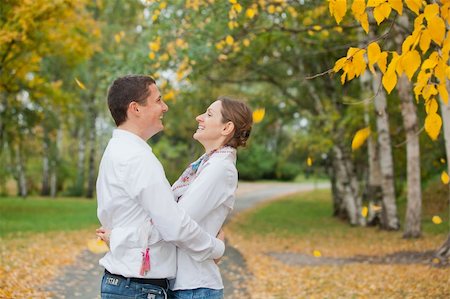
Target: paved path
{"type": "Point", "coordinates": [82, 279]}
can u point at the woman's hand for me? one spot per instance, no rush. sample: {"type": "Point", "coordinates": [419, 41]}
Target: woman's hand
{"type": "Point", "coordinates": [104, 234]}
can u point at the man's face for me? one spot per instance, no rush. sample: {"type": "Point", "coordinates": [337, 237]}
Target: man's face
{"type": "Point", "coordinates": [151, 114]}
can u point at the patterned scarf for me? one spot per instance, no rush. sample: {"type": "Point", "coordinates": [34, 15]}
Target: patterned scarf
{"type": "Point", "coordinates": [194, 169]}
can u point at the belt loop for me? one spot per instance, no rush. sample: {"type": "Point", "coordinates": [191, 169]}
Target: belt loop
{"type": "Point", "coordinates": [128, 283]}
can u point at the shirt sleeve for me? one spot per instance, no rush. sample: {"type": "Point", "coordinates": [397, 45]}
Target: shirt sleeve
{"type": "Point", "coordinates": [215, 185]}
{"type": "Point", "coordinates": [150, 187]}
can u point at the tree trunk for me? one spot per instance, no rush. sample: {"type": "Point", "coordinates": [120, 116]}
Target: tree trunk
{"type": "Point", "coordinates": [81, 160]}
{"type": "Point", "coordinates": [347, 188]}
{"type": "Point", "coordinates": [45, 191]}
{"type": "Point", "coordinates": [373, 192]}
{"type": "Point", "coordinates": [92, 153]}
{"type": "Point", "coordinates": [389, 219]}
{"type": "Point", "coordinates": [21, 177]}
{"type": "Point", "coordinates": [414, 193]}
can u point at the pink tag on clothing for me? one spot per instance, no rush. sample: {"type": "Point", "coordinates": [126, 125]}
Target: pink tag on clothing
{"type": "Point", "coordinates": [145, 266]}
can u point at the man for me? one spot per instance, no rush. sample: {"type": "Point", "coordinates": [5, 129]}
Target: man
{"type": "Point", "coordinates": [132, 191]}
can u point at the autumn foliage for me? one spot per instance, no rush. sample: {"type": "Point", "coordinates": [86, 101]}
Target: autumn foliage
{"type": "Point", "coordinates": [424, 53]}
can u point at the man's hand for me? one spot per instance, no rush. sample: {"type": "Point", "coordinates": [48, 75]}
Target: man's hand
{"type": "Point", "coordinates": [103, 234]}
{"type": "Point", "coordinates": [220, 236]}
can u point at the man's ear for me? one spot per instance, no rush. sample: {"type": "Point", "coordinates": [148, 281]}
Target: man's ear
{"type": "Point", "coordinates": [133, 107]}
{"type": "Point", "coordinates": [228, 128]}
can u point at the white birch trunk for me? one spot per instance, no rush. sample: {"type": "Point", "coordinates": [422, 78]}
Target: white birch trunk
{"type": "Point", "coordinates": [389, 219]}
{"type": "Point", "coordinates": [414, 190]}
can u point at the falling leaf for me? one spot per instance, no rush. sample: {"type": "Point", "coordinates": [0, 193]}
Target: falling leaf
{"type": "Point", "coordinates": [436, 220]}
{"type": "Point", "coordinates": [317, 253]}
{"type": "Point", "coordinates": [445, 178]}
{"type": "Point", "coordinates": [309, 161]}
{"type": "Point", "coordinates": [258, 115]}
{"type": "Point", "coordinates": [364, 212]}
{"type": "Point", "coordinates": [81, 85]}
{"type": "Point", "coordinates": [360, 137]}
{"type": "Point", "coordinates": [97, 246]}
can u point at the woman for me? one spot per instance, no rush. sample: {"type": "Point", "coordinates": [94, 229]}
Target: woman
{"type": "Point", "coordinates": [206, 191]}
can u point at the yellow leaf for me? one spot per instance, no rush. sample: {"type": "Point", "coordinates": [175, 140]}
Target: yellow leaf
{"type": "Point", "coordinates": [309, 161]}
{"type": "Point", "coordinates": [359, 63]}
{"type": "Point", "coordinates": [271, 9]}
{"type": "Point", "coordinates": [339, 64]}
{"type": "Point", "coordinates": [428, 91]}
{"type": "Point", "coordinates": [338, 9]}
{"type": "Point", "coordinates": [430, 11]}
{"type": "Point", "coordinates": [436, 220]}
{"type": "Point", "coordinates": [407, 43]}
{"type": "Point", "coordinates": [364, 212]}
{"type": "Point", "coordinates": [425, 40]}
{"type": "Point", "coordinates": [97, 246]}
{"type": "Point", "coordinates": [317, 253]}
{"type": "Point", "coordinates": [250, 13]}
{"type": "Point", "coordinates": [397, 5]}
{"type": "Point", "coordinates": [411, 62]}
{"type": "Point", "coordinates": [151, 55]}
{"type": "Point", "coordinates": [439, 71]}
{"type": "Point", "coordinates": [360, 137]}
{"type": "Point", "coordinates": [433, 123]}
{"type": "Point", "coordinates": [443, 92]}
{"type": "Point", "coordinates": [246, 42]}
{"type": "Point", "coordinates": [431, 62]}
{"type": "Point", "coordinates": [444, 178]}
{"type": "Point", "coordinates": [382, 12]}
{"type": "Point", "coordinates": [382, 62]}
{"type": "Point", "coordinates": [436, 28]}
{"type": "Point", "coordinates": [117, 38]}
{"type": "Point", "coordinates": [258, 115]}
{"type": "Point", "coordinates": [442, 160]}
{"type": "Point", "coordinates": [237, 7]}
{"type": "Point", "coordinates": [373, 53]}
{"type": "Point", "coordinates": [80, 85]}
{"type": "Point", "coordinates": [374, 3]}
{"type": "Point", "coordinates": [364, 20]}
{"type": "Point", "coordinates": [229, 40]}
{"type": "Point", "coordinates": [431, 106]}
{"type": "Point", "coordinates": [317, 27]}
{"type": "Point", "coordinates": [389, 80]}
{"type": "Point", "coordinates": [414, 5]}
{"type": "Point", "coordinates": [233, 1]}
{"type": "Point", "coordinates": [358, 7]}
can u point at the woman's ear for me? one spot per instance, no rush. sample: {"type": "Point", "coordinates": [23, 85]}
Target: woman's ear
{"type": "Point", "coordinates": [228, 128]}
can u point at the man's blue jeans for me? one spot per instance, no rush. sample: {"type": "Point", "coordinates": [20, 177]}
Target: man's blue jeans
{"type": "Point", "coordinates": [116, 288]}
{"type": "Point", "coordinates": [201, 293]}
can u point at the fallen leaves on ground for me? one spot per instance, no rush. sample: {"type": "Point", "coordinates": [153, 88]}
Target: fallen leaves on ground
{"type": "Point", "coordinates": [29, 262]}
{"type": "Point", "coordinates": [271, 278]}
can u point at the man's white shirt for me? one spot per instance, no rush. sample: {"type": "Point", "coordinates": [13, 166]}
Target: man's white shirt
{"type": "Point", "coordinates": [134, 196]}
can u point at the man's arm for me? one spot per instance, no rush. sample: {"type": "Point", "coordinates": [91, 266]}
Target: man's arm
{"type": "Point", "coordinates": [155, 196]}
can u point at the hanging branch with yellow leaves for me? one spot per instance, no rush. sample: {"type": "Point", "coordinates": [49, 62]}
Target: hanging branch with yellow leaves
{"type": "Point", "coordinates": [425, 51]}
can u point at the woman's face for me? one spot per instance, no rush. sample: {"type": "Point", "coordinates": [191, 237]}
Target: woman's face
{"type": "Point", "coordinates": [210, 127]}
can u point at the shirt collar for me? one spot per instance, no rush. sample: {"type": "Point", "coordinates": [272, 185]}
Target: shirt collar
{"type": "Point", "coordinates": [124, 134]}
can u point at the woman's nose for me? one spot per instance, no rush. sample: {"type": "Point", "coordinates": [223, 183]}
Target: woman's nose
{"type": "Point", "coordinates": [199, 118]}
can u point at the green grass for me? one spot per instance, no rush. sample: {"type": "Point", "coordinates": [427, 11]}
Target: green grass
{"type": "Point", "coordinates": [311, 214]}
{"type": "Point", "coordinates": [33, 215]}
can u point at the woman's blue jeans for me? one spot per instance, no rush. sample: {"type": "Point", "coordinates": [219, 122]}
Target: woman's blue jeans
{"type": "Point", "coordinates": [201, 293]}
